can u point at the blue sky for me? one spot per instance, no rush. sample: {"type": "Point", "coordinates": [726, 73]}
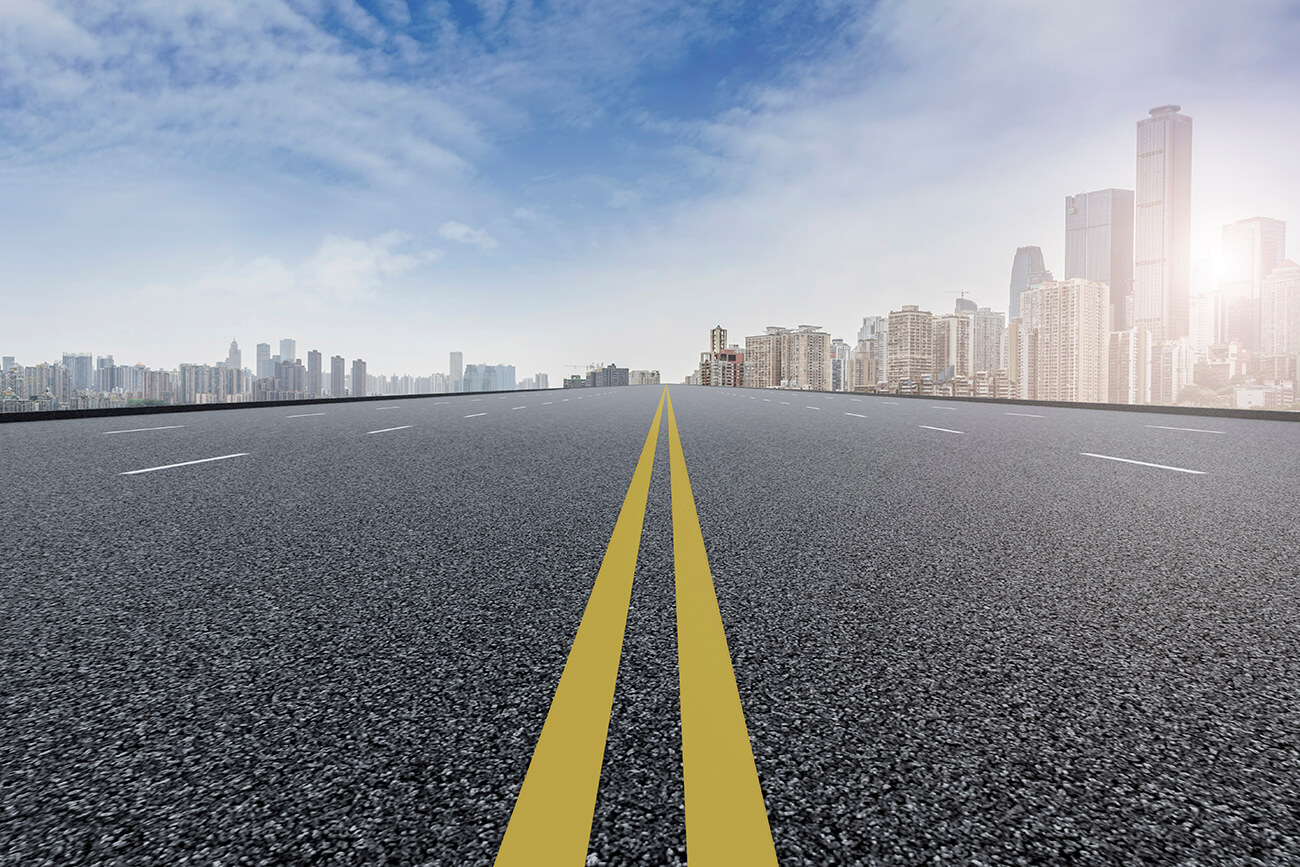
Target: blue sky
{"type": "Point", "coordinates": [554, 183]}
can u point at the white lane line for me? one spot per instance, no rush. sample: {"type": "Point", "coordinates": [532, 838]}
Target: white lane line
{"type": "Point", "coordinates": [830, 398]}
{"type": "Point", "coordinates": [1188, 429]}
{"type": "Point", "coordinates": [183, 464]}
{"type": "Point", "coordinates": [855, 414]}
{"type": "Point", "coordinates": [767, 400]}
{"type": "Point", "coordinates": [945, 408]}
{"type": "Point", "coordinates": [1025, 414]}
{"type": "Point", "coordinates": [944, 429]}
{"type": "Point", "coordinates": [382, 408]}
{"type": "Point", "coordinates": [387, 429]}
{"type": "Point", "coordinates": [1142, 463]}
{"type": "Point", "coordinates": [475, 399]}
{"type": "Point", "coordinates": [564, 400]}
{"type": "Point", "coordinates": [304, 415]}
{"type": "Point", "coordinates": [475, 414]}
{"type": "Point", "coordinates": [518, 407]}
{"type": "Point", "coordinates": [785, 403]}
{"type": "Point", "coordinates": [818, 408]}
{"type": "Point", "coordinates": [547, 402]}
{"type": "Point", "coordinates": [856, 399]}
{"type": "Point", "coordinates": [139, 429]}
{"type": "Point", "coordinates": [890, 402]}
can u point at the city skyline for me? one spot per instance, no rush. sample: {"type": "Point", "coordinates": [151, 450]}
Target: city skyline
{"type": "Point", "coordinates": [850, 173]}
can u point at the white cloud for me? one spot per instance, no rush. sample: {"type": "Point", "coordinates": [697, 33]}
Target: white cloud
{"type": "Point", "coordinates": [343, 269]}
{"type": "Point", "coordinates": [463, 234]}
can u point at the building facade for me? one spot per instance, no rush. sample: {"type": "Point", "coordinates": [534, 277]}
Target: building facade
{"type": "Point", "coordinates": [1066, 341]}
{"type": "Point", "coordinates": [910, 346]}
{"type": "Point", "coordinates": [1163, 223]}
{"type": "Point", "coordinates": [1099, 245]}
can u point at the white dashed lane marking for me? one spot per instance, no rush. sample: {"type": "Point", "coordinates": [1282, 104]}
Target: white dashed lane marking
{"type": "Point", "coordinates": [164, 427]}
{"type": "Point", "coordinates": [1142, 463]}
{"type": "Point", "coordinates": [184, 464]}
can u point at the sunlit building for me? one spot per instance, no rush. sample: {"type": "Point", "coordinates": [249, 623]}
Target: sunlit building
{"type": "Point", "coordinates": [1099, 245]}
{"type": "Point", "coordinates": [1163, 223]}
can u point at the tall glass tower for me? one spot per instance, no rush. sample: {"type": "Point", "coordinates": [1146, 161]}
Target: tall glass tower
{"type": "Point", "coordinates": [1162, 252]}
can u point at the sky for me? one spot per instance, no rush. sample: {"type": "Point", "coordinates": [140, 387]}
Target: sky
{"type": "Point", "coordinates": [556, 183]}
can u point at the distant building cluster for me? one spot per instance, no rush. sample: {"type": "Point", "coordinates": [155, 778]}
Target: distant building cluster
{"type": "Point", "coordinates": [1121, 326]}
{"type": "Point", "coordinates": [610, 375]}
{"type": "Point", "coordinates": [80, 381]}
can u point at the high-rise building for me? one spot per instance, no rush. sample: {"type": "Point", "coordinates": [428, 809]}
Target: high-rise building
{"type": "Point", "coordinates": [987, 327]}
{"type": "Point", "coordinates": [643, 377]}
{"type": "Point", "coordinates": [81, 368]}
{"type": "Point", "coordinates": [911, 346]}
{"type": "Point", "coordinates": [762, 358]}
{"type": "Point", "coordinates": [1129, 360]}
{"type": "Point", "coordinates": [1066, 325]}
{"type": "Point", "coordinates": [840, 374]}
{"type": "Point", "coordinates": [1163, 224]}
{"type": "Point", "coordinates": [457, 371]}
{"type": "Point", "coordinates": [338, 376]}
{"type": "Point", "coordinates": [288, 350]}
{"type": "Point", "coordinates": [234, 359]}
{"type": "Point", "coordinates": [1026, 270]}
{"type": "Point", "coordinates": [359, 380]}
{"type": "Point", "coordinates": [542, 380]}
{"type": "Point", "coordinates": [264, 367]}
{"type": "Point", "coordinates": [105, 374]}
{"type": "Point", "coordinates": [873, 342]}
{"type": "Point", "coordinates": [952, 347]}
{"type": "Point", "coordinates": [1280, 297]}
{"type": "Point", "coordinates": [314, 373]}
{"type": "Point", "coordinates": [717, 339]}
{"type": "Point", "coordinates": [607, 377]}
{"type": "Point", "coordinates": [1099, 245]}
{"type": "Point", "coordinates": [805, 358]}
{"type": "Point", "coordinates": [1251, 250]}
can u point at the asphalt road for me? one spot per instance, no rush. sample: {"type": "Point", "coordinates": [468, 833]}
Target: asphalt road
{"type": "Point", "coordinates": [958, 636]}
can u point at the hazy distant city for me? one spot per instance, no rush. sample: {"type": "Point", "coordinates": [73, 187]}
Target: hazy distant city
{"type": "Point", "coordinates": [80, 380]}
{"type": "Point", "coordinates": [1120, 326]}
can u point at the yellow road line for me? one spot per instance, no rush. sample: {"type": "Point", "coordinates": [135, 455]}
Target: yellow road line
{"type": "Point", "coordinates": [551, 822]}
{"type": "Point", "coordinates": [726, 820]}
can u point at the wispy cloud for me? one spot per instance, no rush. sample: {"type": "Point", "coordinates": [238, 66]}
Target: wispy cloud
{"type": "Point", "coordinates": [340, 269]}
{"type": "Point", "coordinates": [463, 234]}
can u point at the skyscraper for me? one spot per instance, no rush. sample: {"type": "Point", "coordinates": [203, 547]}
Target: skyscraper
{"type": "Point", "coordinates": [288, 350]}
{"type": "Point", "coordinates": [1163, 237]}
{"type": "Point", "coordinates": [234, 359]}
{"type": "Point", "coordinates": [82, 370]}
{"type": "Point", "coordinates": [762, 358]}
{"type": "Point", "coordinates": [1026, 270]}
{"type": "Point", "coordinates": [986, 340]}
{"type": "Point", "coordinates": [1099, 245]}
{"type": "Point", "coordinates": [1066, 325]}
{"type": "Point", "coordinates": [264, 368]}
{"type": "Point", "coordinates": [717, 339]}
{"type": "Point", "coordinates": [840, 374]}
{"type": "Point", "coordinates": [1281, 306]}
{"type": "Point", "coordinates": [338, 376]}
{"type": "Point", "coordinates": [1251, 250]}
{"type": "Point", "coordinates": [952, 346]}
{"type": "Point", "coordinates": [313, 373]}
{"type": "Point", "coordinates": [457, 371]}
{"type": "Point", "coordinates": [358, 378]}
{"type": "Point", "coordinates": [911, 345]}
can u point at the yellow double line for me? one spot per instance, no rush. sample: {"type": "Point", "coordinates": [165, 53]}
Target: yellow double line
{"type": "Point", "coordinates": [726, 821]}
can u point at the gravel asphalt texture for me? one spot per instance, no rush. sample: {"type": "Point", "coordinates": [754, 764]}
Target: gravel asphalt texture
{"type": "Point", "coordinates": [975, 648]}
